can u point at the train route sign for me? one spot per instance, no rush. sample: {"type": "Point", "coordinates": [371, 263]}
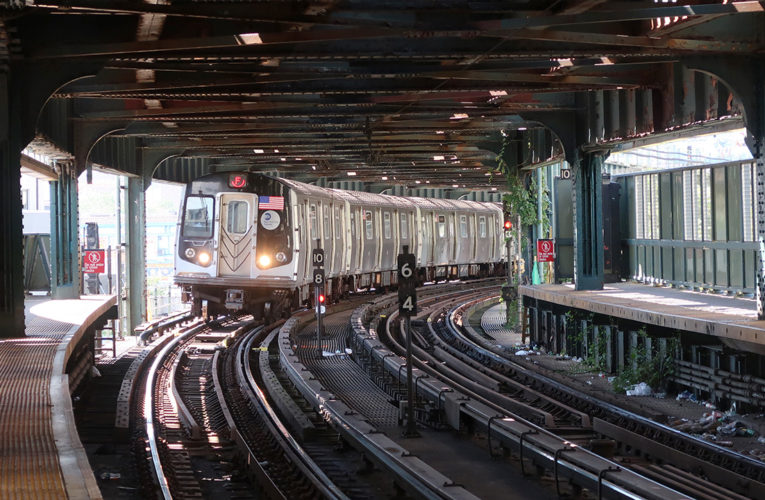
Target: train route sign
{"type": "Point", "coordinates": [94, 261]}
{"type": "Point", "coordinates": [317, 257]}
{"type": "Point", "coordinates": [407, 295]}
{"type": "Point", "coordinates": [545, 250]}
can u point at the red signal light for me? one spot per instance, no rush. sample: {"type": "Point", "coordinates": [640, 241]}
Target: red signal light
{"type": "Point", "coordinates": [237, 181]}
{"type": "Point", "coordinates": [508, 225]}
{"type": "Point", "coordinates": [321, 298]}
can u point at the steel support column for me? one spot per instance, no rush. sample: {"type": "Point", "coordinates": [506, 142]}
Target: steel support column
{"type": "Point", "coordinates": [136, 253]}
{"type": "Point", "coordinates": [588, 221]}
{"type": "Point", "coordinates": [64, 248]}
{"type": "Point", "coordinates": [11, 237]}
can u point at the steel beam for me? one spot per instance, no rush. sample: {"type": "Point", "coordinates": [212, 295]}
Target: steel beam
{"type": "Point", "coordinates": [65, 256]}
{"type": "Point", "coordinates": [11, 248]}
{"type": "Point", "coordinates": [136, 253]}
{"type": "Point", "coordinates": [588, 222]}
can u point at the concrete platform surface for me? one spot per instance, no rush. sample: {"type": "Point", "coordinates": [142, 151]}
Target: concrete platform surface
{"type": "Point", "coordinates": [733, 319]}
{"type": "Point", "coordinates": [41, 454]}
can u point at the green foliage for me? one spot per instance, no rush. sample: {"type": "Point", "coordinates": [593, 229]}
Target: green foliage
{"type": "Point", "coordinates": [640, 367]}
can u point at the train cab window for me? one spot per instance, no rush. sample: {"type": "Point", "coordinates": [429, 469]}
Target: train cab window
{"type": "Point", "coordinates": [368, 224]}
{"type": "Point", "coordinates": [338, 225]}
{"type": "Point", "coordinates": [482, 226]}
{"type": "Point", "coordinates": [463, 226]}
{"type": "Point", "coordinates": [236, 217]}
{"type": "Point", "coordinates": [314, 236]}
{"type": "Point", "coordinates": [327, 228]}
{"type": "Point", "coordinates": [198, 218]}
{"type": "Point", "coordinates": [441, 226]}
{"type": "Point", "coordinates": [404, 228]}
{"type": "Point", "coordinates": [386, 225]}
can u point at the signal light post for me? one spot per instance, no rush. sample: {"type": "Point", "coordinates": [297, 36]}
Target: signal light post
{"type": "Point", "coordinates": [407, 305]}
{"type": "Point", "coordinates": [318, 292]}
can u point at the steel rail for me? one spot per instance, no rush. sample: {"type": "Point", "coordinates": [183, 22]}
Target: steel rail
{"type": "Point", "coordinates": [417, 476]}
{"type": "Point", "coordinates": [149, 407]}
{"type": "Point", "coordinates": [291, 447]}
{"type": "Point", "coordinates": [656, 428]}
{"type": "Point", "coordinates": [545, 448]}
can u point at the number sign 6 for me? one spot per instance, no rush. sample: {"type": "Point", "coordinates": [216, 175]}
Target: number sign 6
{"type": "Point", "coordinates": [406, 271]}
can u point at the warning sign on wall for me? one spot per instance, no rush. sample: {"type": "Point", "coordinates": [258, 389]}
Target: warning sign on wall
{"type": "Point", "coordinates": [94, 261]}
{"type": "Point", "coordinates": [545, 250]}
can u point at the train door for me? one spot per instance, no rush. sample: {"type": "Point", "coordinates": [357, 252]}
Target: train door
{"type": "Point", "coordinates": [313, 235]}
{"type": "Point", "coordinates": [440, 240]}
{"type": "Point", "coordinates": [388, 246]}
{"type": "Point", "coordinates": [237, 234]}
{"type": "Point", "coordinates": [337, 245]}
{"type": "Point", "coordinates": [355, 241]}
{"type": "Point", "coordinates": [326, 210]}
{"type": "Point", "coordinates": [452, 241]}
{"type": "Point", "coordinates": [425, 241]}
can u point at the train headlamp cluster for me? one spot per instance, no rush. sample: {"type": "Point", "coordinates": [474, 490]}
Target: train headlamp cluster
{"type": "Point", "coordinates": [203, 257]}
{"type": "Point", "coordinates": [266, 260]}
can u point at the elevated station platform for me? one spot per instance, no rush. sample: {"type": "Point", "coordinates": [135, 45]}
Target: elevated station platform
{"type": "Point", "coordinates": [732, 319]}
{"type": "Point", "coordinates": [42, 456]}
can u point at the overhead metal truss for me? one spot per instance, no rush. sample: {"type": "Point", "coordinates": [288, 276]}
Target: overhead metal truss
{"type": "Point", "coordinates": [407, 89]}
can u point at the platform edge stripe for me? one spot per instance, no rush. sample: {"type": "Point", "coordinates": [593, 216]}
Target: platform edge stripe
{"type": "Point", "coordinates": [79, 480]}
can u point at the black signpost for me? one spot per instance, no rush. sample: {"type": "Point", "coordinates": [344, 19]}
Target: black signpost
{"type": "Point", "coordinates": [407, 305]}
{"type": "Point", "coordinates": [317, 257]}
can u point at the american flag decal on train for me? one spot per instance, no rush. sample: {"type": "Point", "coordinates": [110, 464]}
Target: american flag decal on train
{"type": "Point", "coordinates": [271, 202]}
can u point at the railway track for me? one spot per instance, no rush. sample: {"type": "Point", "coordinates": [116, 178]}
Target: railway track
{"type": "Point", "coordinates": [447, 355]}
{"type": "Point", "coordinates": [718, 471]}
{"type": "Point", "coordinates": [237, 396]}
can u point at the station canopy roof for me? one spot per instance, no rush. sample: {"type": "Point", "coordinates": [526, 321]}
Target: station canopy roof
{"type": "Point", "coordinates": [388, 92]}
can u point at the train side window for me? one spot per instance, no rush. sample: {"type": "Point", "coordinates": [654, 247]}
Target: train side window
{"type": "Point", "coordinates": [463, 226]}
{"type": "Point", "coordinates": [441, 226]}
{"type": "Point", "coordinates": [327, 233]}
{"type": "Point", "coordinates": [386, 225]}
{"type": "Point", "coordinates": [353, 225]}
{"type": "Point", "coordinates": [338, 226]}
{"type": "Point", "coordinates": [236, 217]}
{"type": "Point", "coordinates": [368, 224]}
{"type": "Point", "coordinates": [404, 228]}
{"type": "Point", "coordinates": [314, 236]}
{"type": "Point", "coordinates": [198, 219]}
{"type": "Point", "coordinates": [482, 226]}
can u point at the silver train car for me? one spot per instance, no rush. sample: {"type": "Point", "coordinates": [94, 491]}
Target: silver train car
{"type": "Point", "coordinates": [245, 241]}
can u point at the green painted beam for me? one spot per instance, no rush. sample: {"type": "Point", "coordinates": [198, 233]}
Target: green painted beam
{"type": "Point", "coordinates": [136, 253]}
{"type": "Point", "coordinates": [65, 256]}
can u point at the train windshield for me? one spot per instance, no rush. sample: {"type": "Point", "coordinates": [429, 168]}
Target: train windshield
{"type": "Point", "coordinates": [198, 219]}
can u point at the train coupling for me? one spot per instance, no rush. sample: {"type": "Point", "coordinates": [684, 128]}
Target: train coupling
{"type": "Point", "coordinates": [234, 299]}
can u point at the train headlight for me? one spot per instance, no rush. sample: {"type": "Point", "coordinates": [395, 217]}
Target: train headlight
{"type": "Point", "coordinates": [264, 261]}
{"type": "Point", "coordinates": [204, 258]}
{"type": "Point", "coordinates": [281, 256]}
{"type": "Point", "coordinates": [190, 253]}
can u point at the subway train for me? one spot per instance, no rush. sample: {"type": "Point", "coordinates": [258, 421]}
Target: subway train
{"type": "Point", "coordinates": [245, 242]}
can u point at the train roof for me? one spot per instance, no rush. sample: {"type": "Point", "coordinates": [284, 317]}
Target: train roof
{"type": "Point", "coordinates": [372, 199]}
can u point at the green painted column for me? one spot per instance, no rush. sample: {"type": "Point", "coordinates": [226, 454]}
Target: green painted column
{"type": "Point", "coordinates": [64, 247]}
{"type": "Point", "coordinates": [588, 221]}
{"type": "Point", "coordinates": [11, 235]}
{"type": "Point", "coordinates": [135, 213]}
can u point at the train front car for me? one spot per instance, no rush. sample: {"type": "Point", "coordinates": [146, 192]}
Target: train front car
{"type": "Point", "coordinates": [235, 248]}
